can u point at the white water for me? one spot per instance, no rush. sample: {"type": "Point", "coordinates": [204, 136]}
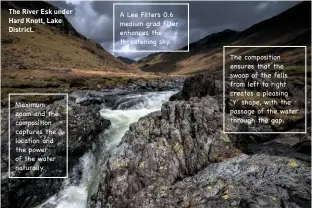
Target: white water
{"type": "Point", "coordinates": [76, 196]}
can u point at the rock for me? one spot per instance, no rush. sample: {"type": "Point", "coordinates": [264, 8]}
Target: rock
{"type": "Point", "coordinates": [288, 144]}
{"type": "Point", "coordinates": [90, 101]}
{"type": "Point", "coordinates": [256, 181]}
{"type": "Point", "coordinates": [177, 96]}
{"type": "Point", "coordinates": [165, 84]}
{"type": "Point", "coordinates": [202, 85]}
{"type": "Point", "coordinates": [85, 123]}
{"type": "Point", "coordinates": [109, 96]}
{"type": "Point", "coordinates": [179, 157]}
{"type": "Point", "coordinates": [260, 180]}
{"type": "Point", "coordinates": [163, 148]}
{"type": "Point", "coordinates": [303, 147]}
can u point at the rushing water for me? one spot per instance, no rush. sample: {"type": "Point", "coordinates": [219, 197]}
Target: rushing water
{"type": "Point", "coordinates": [126, 110]}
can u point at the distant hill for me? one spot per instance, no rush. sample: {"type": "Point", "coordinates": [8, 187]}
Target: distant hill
{"type": "Point", "coordinates": [126, 60]}
{"type": "Point", "coordinates": [292, 27]}
{"type": "Point", "coordinates": [51, 45]}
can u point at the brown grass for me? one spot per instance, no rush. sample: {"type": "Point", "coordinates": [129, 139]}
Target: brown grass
{"type": "Point", "coordinates": [47, 47]}
{"type": "Point", "coordinates": [65, 80]}
{"type": "Point", "coordinates": [211, 58]}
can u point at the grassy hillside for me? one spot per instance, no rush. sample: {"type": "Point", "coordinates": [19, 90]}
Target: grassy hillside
{"type": "Point", "coordinates": [126, 60]}
{"type": "Point", "coordinates": [292, 27]}
{"type": "Point", "coordinates": [51, 45]}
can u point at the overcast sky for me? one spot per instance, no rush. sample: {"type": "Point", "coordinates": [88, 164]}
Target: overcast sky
{"type": "Point", "coordinates": [94, 19]}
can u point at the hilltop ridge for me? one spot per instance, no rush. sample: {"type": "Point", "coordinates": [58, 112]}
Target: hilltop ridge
{"type": "Point", "coordinates": [52, 45]}
{"type": "Point", "coordinates": [291, 27]}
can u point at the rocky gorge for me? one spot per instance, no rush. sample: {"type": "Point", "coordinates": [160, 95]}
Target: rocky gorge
{"type": "Point", "coordinates": [97, 119]}
{"type": "Point", "coordinates": [84, 126]}
{"type": "Point", "coordinates": [137, 149]}
{"type": "Point", "coordinates": [151, 133]}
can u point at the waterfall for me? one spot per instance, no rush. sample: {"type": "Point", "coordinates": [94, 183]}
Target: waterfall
{"type": "Point", "coordinates": [127, 109]}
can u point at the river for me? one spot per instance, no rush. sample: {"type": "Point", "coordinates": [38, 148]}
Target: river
{"type": "Point", "coordinates": [126, 109]}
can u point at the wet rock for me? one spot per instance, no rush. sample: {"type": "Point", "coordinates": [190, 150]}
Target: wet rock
{"type": "Point", "coordinates": [179, 157]}
{"type": "Point", "coordinates": [85, 123]}
{"type": "Point", "coordinates": [108, 97]}
{"type": "Point", "coordinates": [163, 148]}
{"type": "Point", "coordinates": [260, 180]}
{"type": "Point", "coordinates": [177, 96]}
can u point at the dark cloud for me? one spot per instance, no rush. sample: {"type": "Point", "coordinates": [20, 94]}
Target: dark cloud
{"type": "Point", "coordinates": [63, 5]}
{"type": "Point", "coordinates": [178, 13]}
{"type": "Point", "coordinates": [94, 19]}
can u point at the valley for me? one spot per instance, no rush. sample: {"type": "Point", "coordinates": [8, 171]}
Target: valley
{"type": "Point", "coordinates": [151, 133]}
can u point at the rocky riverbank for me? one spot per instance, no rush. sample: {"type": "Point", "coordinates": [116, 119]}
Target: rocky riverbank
{"type": "Point", "coordinates": [87, 130]}
{"type": "Point", "coordinates": [84, 127]}
{"type": "Point", "coordinates": [180, 157]}
{"type": "Point", "coordinates": [176, 157]}
{"type": "Point", "coordinates": [110, 96]}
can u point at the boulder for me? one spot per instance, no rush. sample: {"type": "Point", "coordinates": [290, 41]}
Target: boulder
{"type": "Point", "coordinates": [244, 181]}
{"type": "Point", "coordinates": [180, 157]}
{"type": "Point", "coordinates": [202, 85]}
{"type": "Point", "coordinates": [163, 148]}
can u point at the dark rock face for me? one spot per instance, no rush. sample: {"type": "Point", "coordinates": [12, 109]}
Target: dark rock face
{"type": "Point", "coordinates": [179, 157]}
{"type": "Point", "coordinates": [202, 85]}
{"type": "Point", "coordinates": [163, 148]}
{"type": "Point", "coordinates": [85, 124]}
{"type": "Point", "coordinates": [177, 96]}
{"type": "Point", "coordinates": [211, 84]}
{"type": "Point", "coordinates": [244, 181]}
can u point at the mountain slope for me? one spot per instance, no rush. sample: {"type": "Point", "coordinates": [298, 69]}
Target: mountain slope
{"type": "Point", "coordinates": [51, 45]}
{"type": "Point", "coordinates": [292, 27]}
{"type": "Point", "coordinates": [126, 60]}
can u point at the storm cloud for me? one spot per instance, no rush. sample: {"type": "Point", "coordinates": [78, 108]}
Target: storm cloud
{"type": "Point", "coordinates": [94, 19]}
